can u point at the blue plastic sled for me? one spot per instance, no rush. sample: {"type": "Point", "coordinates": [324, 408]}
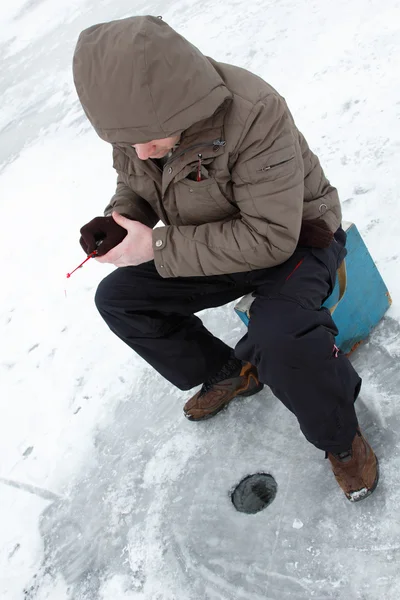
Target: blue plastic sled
{"type": "Point", "coordinates": [360, 297]}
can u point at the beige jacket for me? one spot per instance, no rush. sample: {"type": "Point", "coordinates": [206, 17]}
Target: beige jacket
{"type": "Point", "coordinates": [139, 80]}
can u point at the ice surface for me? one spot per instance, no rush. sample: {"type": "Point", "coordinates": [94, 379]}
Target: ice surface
{"type": "Point", "coordinates": [106, 491]}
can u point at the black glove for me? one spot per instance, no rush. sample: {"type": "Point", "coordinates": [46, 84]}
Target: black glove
{"type": "Point", "coordinates": [315, 233]}
{"type": "Point", "coordinates": [104, 230]}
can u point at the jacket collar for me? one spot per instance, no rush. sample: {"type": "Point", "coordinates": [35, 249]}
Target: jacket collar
{"type": "Point", "coordinates": [205, 137]}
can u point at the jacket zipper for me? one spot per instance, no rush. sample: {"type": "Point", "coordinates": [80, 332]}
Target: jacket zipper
{"type": "Point", "coordinates": [218, 143]}
{"type": "Point", "coordinates": [276, 164]}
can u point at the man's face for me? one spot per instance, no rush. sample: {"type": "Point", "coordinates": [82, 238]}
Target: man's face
{"type": "Point", "coordinates": [155, 148]}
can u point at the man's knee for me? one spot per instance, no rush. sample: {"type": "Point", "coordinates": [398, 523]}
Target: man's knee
{"type": "Point", "coordinates": [113, 289]}
{"type": "Point", "coordinates": [290, 334]}
{"type": "Point", "coordinates": [273, 332]}
{"type": "Point", "coordinates": [102, 296]}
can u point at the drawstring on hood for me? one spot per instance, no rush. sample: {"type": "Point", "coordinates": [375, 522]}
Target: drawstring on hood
{"type": "Point", "coordinates": [139, 80]}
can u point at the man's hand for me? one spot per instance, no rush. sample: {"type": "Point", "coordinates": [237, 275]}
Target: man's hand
{"type": "Point", "coordinates": [315, 233]}
{"type": "Point", "coordinates": [104, 230]}
{"type": "Point", "coordinates": [135, 249]}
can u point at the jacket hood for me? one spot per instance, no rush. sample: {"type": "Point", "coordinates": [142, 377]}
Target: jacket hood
{"type": "Point", "coordinates": [139, 80]}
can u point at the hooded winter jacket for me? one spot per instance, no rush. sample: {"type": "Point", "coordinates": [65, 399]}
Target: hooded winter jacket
{"type": "Point", "coordinates": [138, 80]}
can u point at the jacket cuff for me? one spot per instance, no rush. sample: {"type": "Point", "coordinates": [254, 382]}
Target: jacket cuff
{"type": "Point", "coordinates": [160, 242]}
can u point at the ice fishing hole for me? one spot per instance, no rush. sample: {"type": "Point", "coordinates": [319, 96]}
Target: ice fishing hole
{"type": "Point", "coordinates": [254, 493]}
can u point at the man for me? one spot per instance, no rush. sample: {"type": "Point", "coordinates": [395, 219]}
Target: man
{"type": "Point", "coordinates": [213, 152]}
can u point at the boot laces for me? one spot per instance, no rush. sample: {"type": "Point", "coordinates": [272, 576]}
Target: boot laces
{"type": "Point", "coordinates": [230, 368]}
{"type": "Point", "coordinates": [344, 456]}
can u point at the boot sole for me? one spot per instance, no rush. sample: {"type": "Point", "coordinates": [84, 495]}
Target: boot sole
{"type": "Point", "coordinates": [371, 490]}
{"type": "Point", "coordinates": [215, 412]}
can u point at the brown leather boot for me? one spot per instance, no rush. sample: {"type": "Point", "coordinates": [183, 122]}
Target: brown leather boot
{"type": "Point", "coordinates": [236, 378]}
{"type": "Point", "coordinates": [356, 470]}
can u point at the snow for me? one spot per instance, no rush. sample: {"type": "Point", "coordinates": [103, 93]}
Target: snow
{"type": "Point", "coordinates": [297, 524]}
{"type": "Point", "coordinates": [356, 496]}
{"type": "Point", "coordinates": [115, 494]}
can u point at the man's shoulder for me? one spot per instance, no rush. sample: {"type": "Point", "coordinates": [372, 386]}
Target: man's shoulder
{"type": "Point", "coordinates": [246, 87]}
{"type": "Point", "coordinates": [249, 91]}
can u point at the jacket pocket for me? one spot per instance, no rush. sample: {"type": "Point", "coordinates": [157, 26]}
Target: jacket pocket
{"type": "Point", "coordinates": [201, 202]}
{"type": "Point", "coordinates": [269, 166]}
{"type": "Point", "coordinates": [273, 165]}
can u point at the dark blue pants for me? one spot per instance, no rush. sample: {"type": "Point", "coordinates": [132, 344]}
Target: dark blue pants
{"type": "Point", "coordinates": [290, 337]}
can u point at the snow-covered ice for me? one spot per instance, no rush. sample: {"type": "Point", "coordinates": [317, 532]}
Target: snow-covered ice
{"type": "Point", "coordinates": [106, 491]}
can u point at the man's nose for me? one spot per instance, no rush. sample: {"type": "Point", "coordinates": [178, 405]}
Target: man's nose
{"type": "Point", "coordinates": [144, 150]}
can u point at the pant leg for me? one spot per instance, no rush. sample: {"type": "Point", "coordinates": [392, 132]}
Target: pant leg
{"type": "Point", "coordinates": [154, 316]}
{"type": "Point", "coordinates": [291, 341]}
